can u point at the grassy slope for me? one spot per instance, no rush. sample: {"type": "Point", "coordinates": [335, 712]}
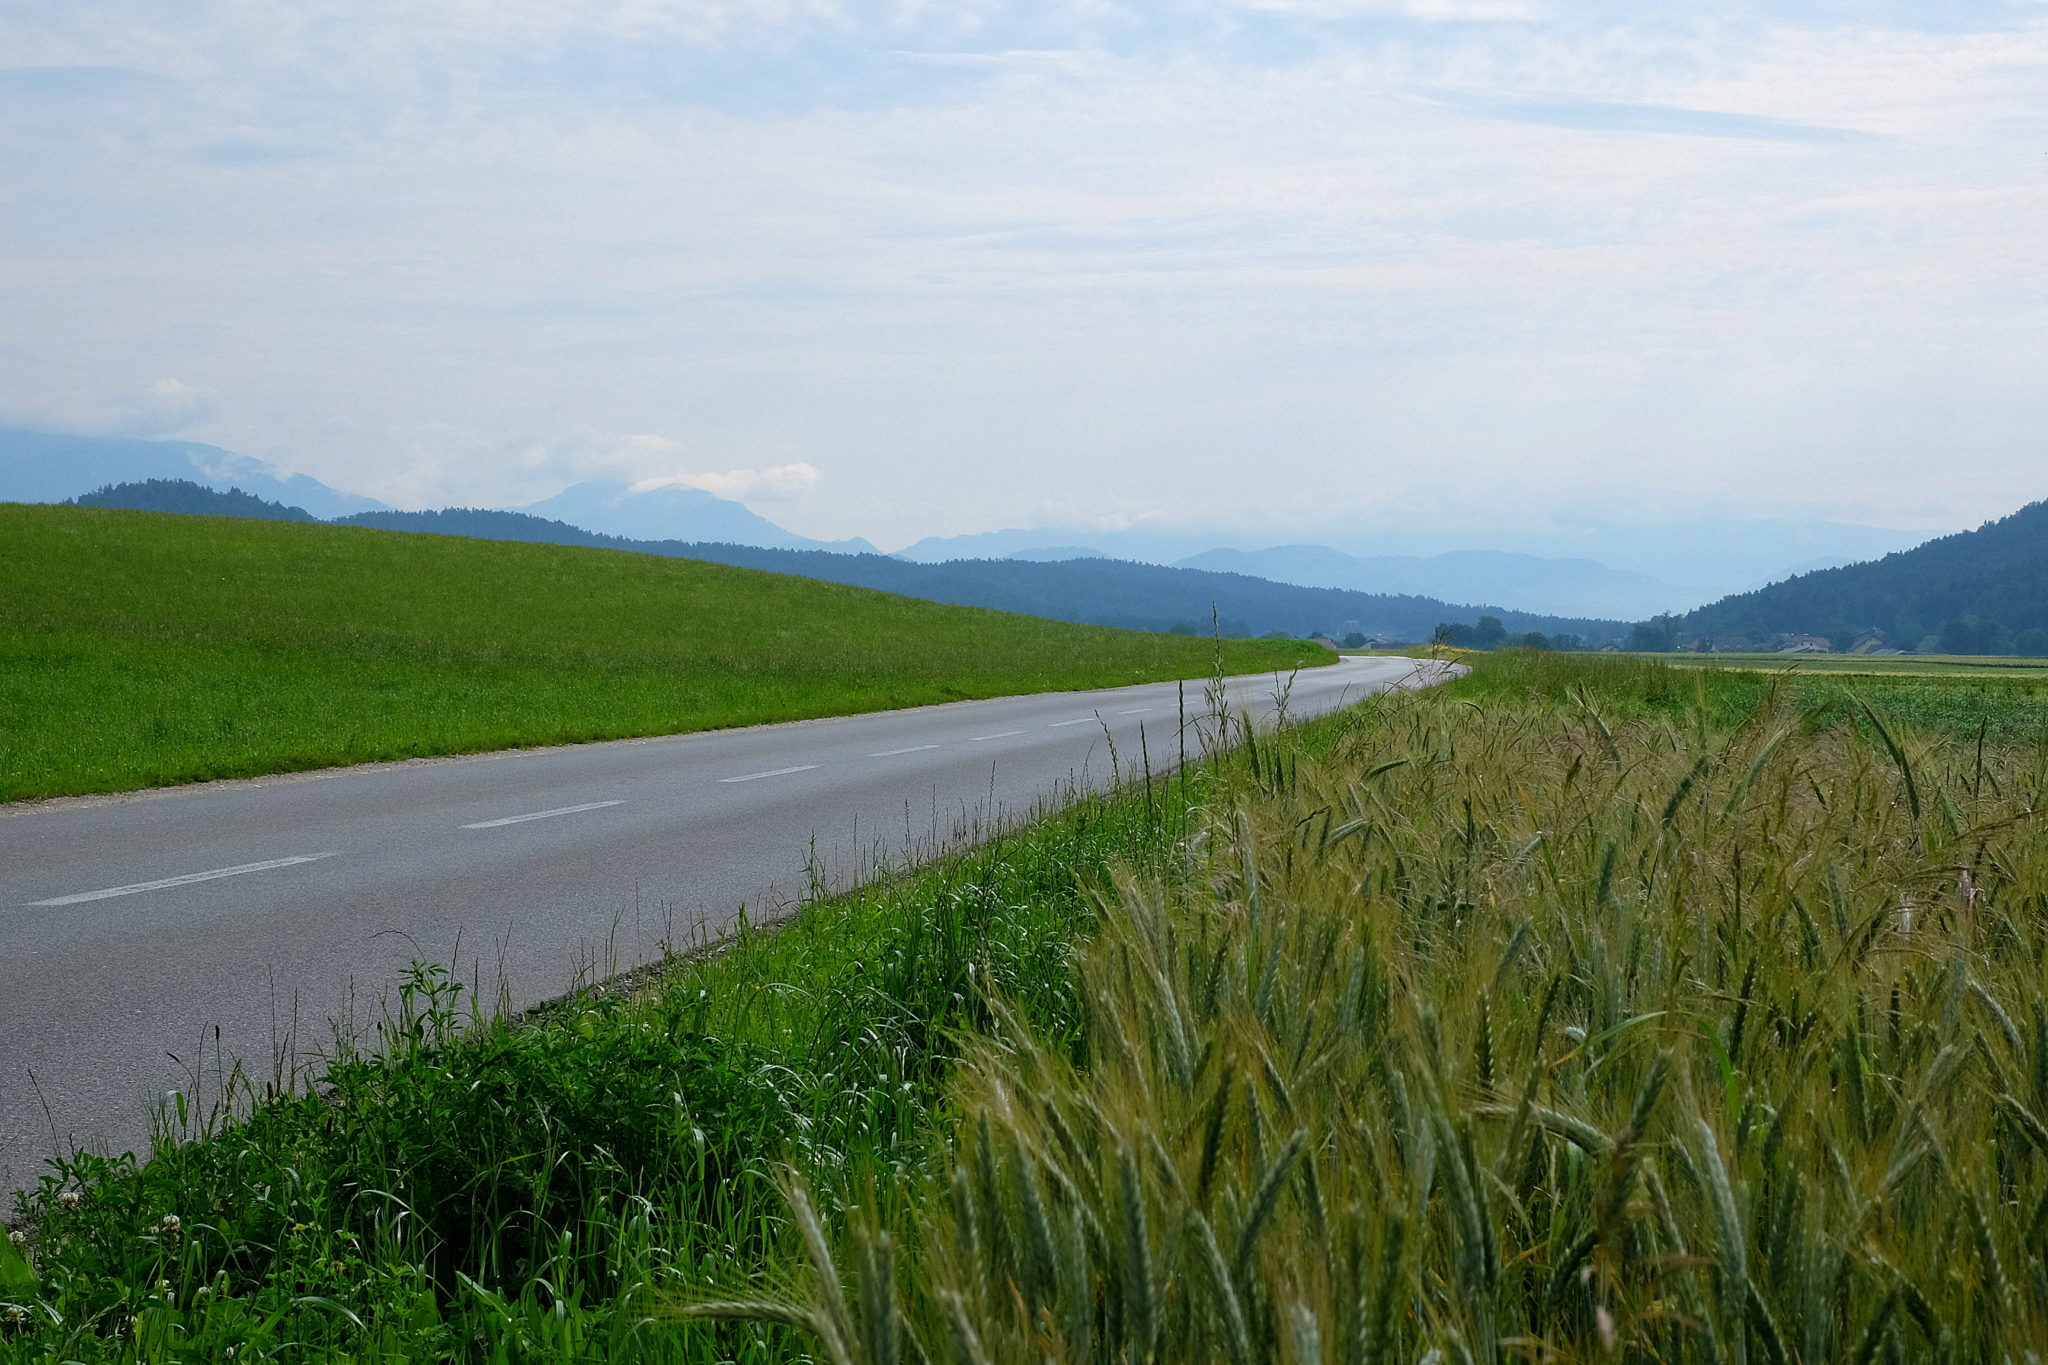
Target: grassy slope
{"type": "Point", "coordinates": [139, 649]}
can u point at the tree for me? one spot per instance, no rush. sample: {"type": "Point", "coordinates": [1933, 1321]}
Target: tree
{"type": "Point", "coordinates": [1653, 636]}
{"type": "Point", "coordinates": [1489, 632]}
{"type": "Point", "coordinates": [1181, 628]}
{"type": "Point", "coordinates": [1355, 640]}
{"type": "Point", "coordinates": [1973, 634]}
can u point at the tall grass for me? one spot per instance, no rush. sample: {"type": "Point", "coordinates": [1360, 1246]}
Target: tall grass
{"type": "Point", "coordinates": [1538, 1018]}
{"type": "Point", "coordinates": [141, 649]}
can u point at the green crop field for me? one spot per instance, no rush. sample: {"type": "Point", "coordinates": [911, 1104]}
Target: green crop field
{"type": "Point", "coordinates": [139, 649]}
{"type": "Point", "coordinates": [1583, 1010]}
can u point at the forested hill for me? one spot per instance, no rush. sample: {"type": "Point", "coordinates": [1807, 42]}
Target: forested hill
{"type": "Point", "coordinates": [1976, 592]}
{"type": "Point", "coordinates": [182, 495]}
{"type": "Point", "coordinates": [1104, 592]}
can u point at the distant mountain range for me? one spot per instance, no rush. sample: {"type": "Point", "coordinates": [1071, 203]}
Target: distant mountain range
{"type": "Point", "coordinates": [1628, 569]}
{"type": "Point", "coordinates": [1975, 592]}
{"type": "Point", "coordinates": [1093, 591]}
{"type": "Point", "coordinates": [1562, 587]}
{"type": "Point", "coordinates": [673, 512]}
{"type": "Point", "coordinates": [45, 467]}
{"type": "Point", "coordinates": [40, 466]}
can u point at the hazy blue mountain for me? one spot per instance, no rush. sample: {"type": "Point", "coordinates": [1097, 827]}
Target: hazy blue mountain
{"type": "Point", "coordinates": [1559, 587]}
{"type": "Point", "coordinates": [190, 499]}
{"type": "Point", "coordinates": [41, 466]}
{"type": "Point", "coordinates": [673, 513]}
{"type": "Point", "coordinates": [1699, 559]}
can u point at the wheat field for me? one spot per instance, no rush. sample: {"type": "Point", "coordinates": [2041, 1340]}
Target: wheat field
{"type": "Point", "coordinates": [1548, 1026]}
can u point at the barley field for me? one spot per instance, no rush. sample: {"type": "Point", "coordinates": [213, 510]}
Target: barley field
{"type": "Point", "coordinates": [1524, 1021]}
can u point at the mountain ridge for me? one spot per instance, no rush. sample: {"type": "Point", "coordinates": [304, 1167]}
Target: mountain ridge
{"type": "Point", "coordinates": [1982, 591]}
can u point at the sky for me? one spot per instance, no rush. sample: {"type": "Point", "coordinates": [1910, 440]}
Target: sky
{"type": "Point", "coordinates": [902, 268]}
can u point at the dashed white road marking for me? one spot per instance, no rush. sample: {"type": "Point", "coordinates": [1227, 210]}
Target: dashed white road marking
{"type": "Point", "coordinates": [772, 772]}
{"type": "Point", "coordinates": [1004, 735]}
{"type": "Point", "coordinates": [913, 749]}
{"type": "Point", "coordinates": [1134, 710]}
{"type": "Point", "coordinates": [186, 880]}
{"type": "Point", "coordinates": [1058, 723]}
{"type": "Point", "coordinates": [543, 814]}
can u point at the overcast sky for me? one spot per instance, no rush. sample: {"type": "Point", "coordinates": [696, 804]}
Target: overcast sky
{"type": "Point", "coordinates": [930, 266]}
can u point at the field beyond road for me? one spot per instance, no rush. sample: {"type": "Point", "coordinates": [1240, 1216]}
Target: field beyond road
{"type": "Point", "coordinates": [140, 649]}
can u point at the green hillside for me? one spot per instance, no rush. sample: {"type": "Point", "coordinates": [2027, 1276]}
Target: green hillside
{"type": "Point", "coordinates": [1975, 592]}
{"type": "Point", "coordinates": [1094, 592]}
{"type": "Point", "coordinates": [143, 649]}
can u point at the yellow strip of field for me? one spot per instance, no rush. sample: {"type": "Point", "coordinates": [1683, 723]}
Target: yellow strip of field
{"type": "Point", "coordinates": [1895, 665]}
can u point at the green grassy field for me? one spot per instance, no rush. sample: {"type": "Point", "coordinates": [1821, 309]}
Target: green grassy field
{"type": "Point", "coordinates": [1586, 1009]}
{"type": "Point", "coordinates": [139, 649]}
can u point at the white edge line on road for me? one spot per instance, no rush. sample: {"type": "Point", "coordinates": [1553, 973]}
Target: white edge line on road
{"type": "Point", "coordinates": [543, 814]}
{"type": "Point", "coordinates": [1004, 735]}
{"type": "Point", "coordinates": [1058, 723]}
{"type": "Point", "coordinates": [772, 772]}
{"type": "Point", "coordinates": [186, 880]}
{"type": "Point", "coordinates": [913, 749]}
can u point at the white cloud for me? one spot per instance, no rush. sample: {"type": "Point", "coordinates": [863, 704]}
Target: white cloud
{"type": "Point", "coordinates": [781, 483]}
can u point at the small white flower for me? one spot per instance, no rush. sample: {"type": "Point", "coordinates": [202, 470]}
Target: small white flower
{"type": "Point", "coordinates": [15, 1316]}
{"type": "Point", "coordinates": [171, 1223]}
{"type": "Point", "coordinates": [70, 1199]}
{"type": "Point", "coordinates": [19, 1238]}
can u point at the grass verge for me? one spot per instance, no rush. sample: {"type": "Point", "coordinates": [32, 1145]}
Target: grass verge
{"type": "Point", "coordinates": [140, 649]}
{"type": "Point", "coordinates": [481, 1188]}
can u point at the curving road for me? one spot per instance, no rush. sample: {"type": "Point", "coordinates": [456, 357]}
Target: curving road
{"type": "Point", "coordinates": [139, 929]}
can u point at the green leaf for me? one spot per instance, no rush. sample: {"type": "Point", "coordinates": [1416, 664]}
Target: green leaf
{"type": "Point", "coordinates": [17, 1276]}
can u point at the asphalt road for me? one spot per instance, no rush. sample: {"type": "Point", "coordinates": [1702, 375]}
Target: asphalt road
{"type": "Point", "coordinates": [136, 926]}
